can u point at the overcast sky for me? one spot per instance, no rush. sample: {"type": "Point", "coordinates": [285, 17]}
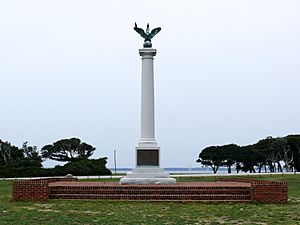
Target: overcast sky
{"type": "Point", "coordinates": [225, 72]}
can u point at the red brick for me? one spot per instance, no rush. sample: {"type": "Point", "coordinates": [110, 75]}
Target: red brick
{"type": "Point", "coordinates": [224, 190]}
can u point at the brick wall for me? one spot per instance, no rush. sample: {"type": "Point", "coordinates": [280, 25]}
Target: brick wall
{"type": "Point", "coordinates": [34, 190]}
{"type": "Point", "coordinates": [255, 190]}
{"type": "Point", "coordinates": [264, 191]}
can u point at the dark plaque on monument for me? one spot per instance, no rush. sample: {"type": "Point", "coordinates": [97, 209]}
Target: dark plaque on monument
{"type": "Point", "coordinates": [147, 157]}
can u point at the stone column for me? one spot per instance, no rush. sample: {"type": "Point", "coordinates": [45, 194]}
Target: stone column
{"type": "Point", "coordinates": [147, 169]}
{"type": "Point", "coordinates": [147, 99]}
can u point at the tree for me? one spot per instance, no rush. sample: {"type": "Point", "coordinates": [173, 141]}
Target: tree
{"type": "Point", "coordinates": [210, 157]}
{"type": "Point", "coordinates": [265, 147]}
{"type": "Point", "coordinates": [250, 159]}
{"type": "Point", "coordinates": [84, 167]}
{"type": "Point", "coordinates": [68, 150]}
{"type": "Point", "coordinates": [294, 144]}
{"type": "Point", "coordinates": [9, 155]}
{"type": "Point", "coordinates": [31, 156]}
{"type": "Point", "coordinates": [272, 150]}
{"type": "Point", "coordinates": [227, 153]}
{"type": "Point", "coordinates": [285, 153]}
{"type": "Point", "coordinates": [5, 153]}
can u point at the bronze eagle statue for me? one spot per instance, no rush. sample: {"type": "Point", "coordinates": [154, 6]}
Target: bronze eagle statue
{"type": "Point", "coordinates": [147, 35]}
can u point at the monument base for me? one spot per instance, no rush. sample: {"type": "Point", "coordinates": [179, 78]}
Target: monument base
{"type": "Point", "coordinates": [147, 175]}
{"type": "Point", "coordinates": [147, 169]}
{"type": "Point", "coordinates": [140, 181]}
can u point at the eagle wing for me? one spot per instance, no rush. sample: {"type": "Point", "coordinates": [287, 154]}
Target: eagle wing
{"type": "Point", "coordinates": [141, 32]}
{"type": "Point", "coordinates": [154, 32]}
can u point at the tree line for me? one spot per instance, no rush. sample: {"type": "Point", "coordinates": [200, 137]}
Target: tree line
{"type": "Point", "coordinates": [267, 155]}
{"type": "Point", "coordinates": [27, 160]}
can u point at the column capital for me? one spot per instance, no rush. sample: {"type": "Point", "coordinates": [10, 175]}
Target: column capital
{"type": "Point", "coordinates": [144, 52]}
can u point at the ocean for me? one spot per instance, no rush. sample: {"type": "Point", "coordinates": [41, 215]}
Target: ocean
{"type": "Point", "coordinates": [176, 170]}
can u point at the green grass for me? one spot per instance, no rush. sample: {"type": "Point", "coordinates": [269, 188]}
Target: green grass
{"type": "Point", "coordinates": [126, 212]}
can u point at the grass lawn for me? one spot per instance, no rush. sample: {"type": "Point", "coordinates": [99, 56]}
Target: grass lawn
{"type": "Point", "coordinates": [126, 212]}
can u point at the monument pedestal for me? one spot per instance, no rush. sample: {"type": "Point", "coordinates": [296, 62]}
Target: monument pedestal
{"type": "Point", "coordinates": [147, 169]}
{"type": "Point", "coordinates": [142, 181]}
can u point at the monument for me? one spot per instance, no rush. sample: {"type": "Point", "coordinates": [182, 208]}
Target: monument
{"type": "Point", "coordinates": [147, 169]}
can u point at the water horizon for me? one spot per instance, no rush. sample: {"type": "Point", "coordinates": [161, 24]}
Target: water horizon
{"type": "Point", "coordinates": [204, 170]}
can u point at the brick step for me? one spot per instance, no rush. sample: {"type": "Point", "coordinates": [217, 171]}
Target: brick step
{"type": "Point", "coordinates": [178, 191]}
{"type": "Point", "coordinates": [241, 190]}
{"type": "Point", "coordinates": [208, 197]}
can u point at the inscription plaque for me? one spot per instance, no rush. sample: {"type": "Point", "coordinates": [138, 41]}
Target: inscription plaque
{"type": "Point", "coordinates": [147, 157]}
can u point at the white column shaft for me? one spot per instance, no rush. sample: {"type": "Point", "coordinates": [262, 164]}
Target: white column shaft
{"type": "Point", "coordinates": [147, 97]}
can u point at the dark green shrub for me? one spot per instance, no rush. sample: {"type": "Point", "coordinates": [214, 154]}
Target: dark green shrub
{"type": "Point", "coordinates": [79, 168]}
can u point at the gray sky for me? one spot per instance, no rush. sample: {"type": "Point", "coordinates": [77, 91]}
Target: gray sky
{"type": "Point", "coordinates": [225, 71]}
